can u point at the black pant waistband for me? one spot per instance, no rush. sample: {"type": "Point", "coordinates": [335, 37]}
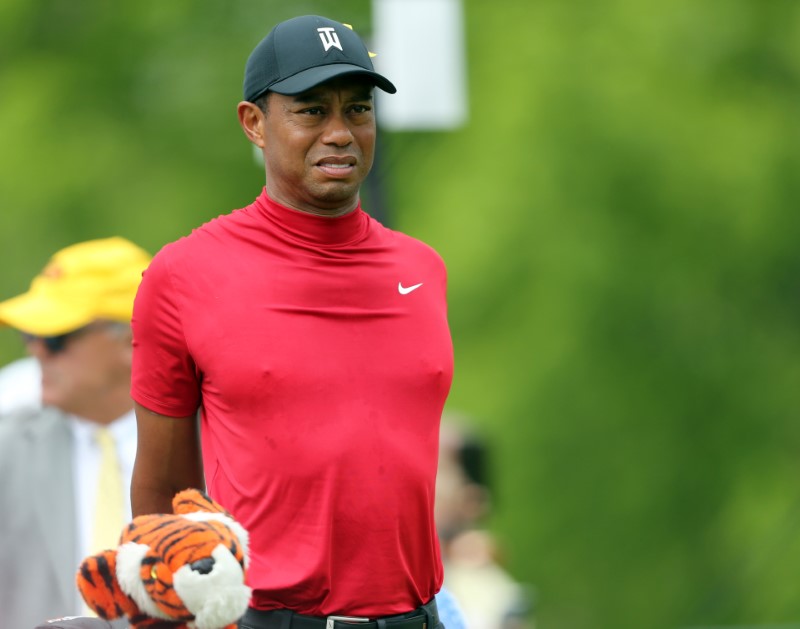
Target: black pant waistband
{"type": "Point", "coordinates": [425, 617]}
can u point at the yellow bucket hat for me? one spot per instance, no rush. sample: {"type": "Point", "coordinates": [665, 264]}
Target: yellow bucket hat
{"type": "Point", "coordinates": [91, 280]}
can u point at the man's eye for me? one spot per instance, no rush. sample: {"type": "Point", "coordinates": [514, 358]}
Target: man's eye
{"type": "Point", "coordinates": [360, 109]}
{"type": "Point", "coordinates": [314, 111]}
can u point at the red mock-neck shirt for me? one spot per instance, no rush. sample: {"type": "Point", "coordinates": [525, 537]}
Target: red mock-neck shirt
{"type": "Point", "coordinates": [319, 353]}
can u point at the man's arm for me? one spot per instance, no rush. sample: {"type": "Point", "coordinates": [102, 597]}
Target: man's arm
{"type": "Point", "coordinates": [168, 460]}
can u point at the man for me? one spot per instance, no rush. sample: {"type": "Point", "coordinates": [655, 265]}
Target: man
{"type": "Point", "coordinates": [315, 343]}
{"type": "Point", "coordinates": [75, 320]}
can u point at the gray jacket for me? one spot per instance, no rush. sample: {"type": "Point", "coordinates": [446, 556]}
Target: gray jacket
{"type": "Point", "coordinates": [38, 536]}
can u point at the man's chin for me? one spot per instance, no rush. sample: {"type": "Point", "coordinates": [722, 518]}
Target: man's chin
{"type": "Point", "coordinates": [336, 195]}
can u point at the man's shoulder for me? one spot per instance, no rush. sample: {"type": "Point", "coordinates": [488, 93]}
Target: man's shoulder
{"type": "Point", "coordinates": [31, 418]}
{"type": "Point", "coordinates": [414, 245]}
{"type": "Point", "coordinates": [20, 385]}
{"type": "Point", "coordinates": [29, 423]}
{"type": "Point", "coordinates": [219, 232]}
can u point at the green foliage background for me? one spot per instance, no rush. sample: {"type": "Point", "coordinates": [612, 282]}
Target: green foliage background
{"type": "Point", "coordinates": [620, 223]}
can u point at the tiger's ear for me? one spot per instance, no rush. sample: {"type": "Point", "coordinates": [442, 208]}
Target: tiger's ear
{"type": "Point", "coordinates": [97, 583]}
{"type": "Point", "coordinates": [193, 500]}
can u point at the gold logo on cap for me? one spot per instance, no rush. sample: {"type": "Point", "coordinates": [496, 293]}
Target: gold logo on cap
{"type": "Point", "coordinates": [369, 52]}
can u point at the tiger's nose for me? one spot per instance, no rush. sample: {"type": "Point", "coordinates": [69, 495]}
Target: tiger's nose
{"type": "Point", "coordinates": [203, 566]}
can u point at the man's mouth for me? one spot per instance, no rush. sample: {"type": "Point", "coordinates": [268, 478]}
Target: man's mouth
{"type": "Point", "coordinates": [337, 166]}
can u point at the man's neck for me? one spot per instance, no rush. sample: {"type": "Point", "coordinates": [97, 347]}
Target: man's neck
{"type": "Point", "coordinates": [106, 409]}
{"type": "Point", "coordinates": [329, 212]}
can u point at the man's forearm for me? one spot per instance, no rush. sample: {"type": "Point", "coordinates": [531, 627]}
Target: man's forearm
{"type": "Point", "coordinates": [146, 499]}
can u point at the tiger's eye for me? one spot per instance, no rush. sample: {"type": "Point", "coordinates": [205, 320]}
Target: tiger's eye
{"type": "Point", "coordinates": [153, 573]}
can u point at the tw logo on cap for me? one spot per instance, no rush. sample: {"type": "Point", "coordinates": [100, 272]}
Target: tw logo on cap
{"type": "Point", "coordinates": [329, 38]}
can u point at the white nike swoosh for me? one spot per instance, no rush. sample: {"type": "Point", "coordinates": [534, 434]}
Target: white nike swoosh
{"type": "Point", "coordinates": [405, 291]}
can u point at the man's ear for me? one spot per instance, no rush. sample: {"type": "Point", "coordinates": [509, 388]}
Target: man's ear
{"type": "Point", "coordinates": [251, 118]}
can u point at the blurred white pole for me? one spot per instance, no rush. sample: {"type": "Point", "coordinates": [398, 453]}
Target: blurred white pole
{"type": "Point", "coordinates": [420, 48]}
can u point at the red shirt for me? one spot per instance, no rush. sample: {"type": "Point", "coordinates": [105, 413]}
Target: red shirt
{"type": "Point", "coordinates": [319, 351]}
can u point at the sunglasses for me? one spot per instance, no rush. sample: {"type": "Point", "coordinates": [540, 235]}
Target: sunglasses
{"type": "Point", "coordinates": [57, 344]}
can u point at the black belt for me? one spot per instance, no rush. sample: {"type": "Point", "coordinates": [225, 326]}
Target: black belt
{"type": "Point", "coordinates": [425, 617]}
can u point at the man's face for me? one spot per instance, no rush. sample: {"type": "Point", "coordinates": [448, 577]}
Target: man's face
{"type": "Point", "coordinates": [319, 145]}
{"type": "Point", "coordinates": [91, 362]}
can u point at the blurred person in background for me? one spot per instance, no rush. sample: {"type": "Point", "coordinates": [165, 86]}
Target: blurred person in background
{"type": "Point", "coordinates": [450, 612]}
{"type": "Point", "coordinates": [20, 385]}
{"type": "Point", "coordinates": [66, 464]}
{"type": "Point", "coordinates": [490, 598]}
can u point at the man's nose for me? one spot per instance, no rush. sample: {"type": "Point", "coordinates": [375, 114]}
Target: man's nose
{"type": "Point", "coordinates": [337, 131]}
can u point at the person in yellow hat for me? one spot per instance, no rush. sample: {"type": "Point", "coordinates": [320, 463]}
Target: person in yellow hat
{"type": "Point", "coordinates": [66, 465]}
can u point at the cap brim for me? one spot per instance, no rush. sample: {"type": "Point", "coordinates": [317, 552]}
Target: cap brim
{"type": "Point", "coordinates": [305, 80]}
{"type": "Point", "coordinates": [43, 316]}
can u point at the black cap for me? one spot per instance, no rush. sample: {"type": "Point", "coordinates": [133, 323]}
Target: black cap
{"type": "Point", "coordinates": [305, 51]}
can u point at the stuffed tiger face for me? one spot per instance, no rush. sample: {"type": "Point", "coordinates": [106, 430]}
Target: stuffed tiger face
{"type": "Point", "coordinates": [185, 568]}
